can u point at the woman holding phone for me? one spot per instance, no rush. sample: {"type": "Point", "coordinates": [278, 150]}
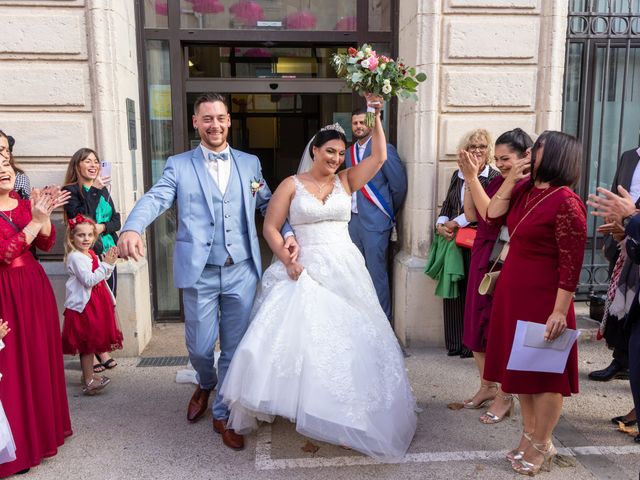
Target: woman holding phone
{"type": "Point", "coordinates": [91, 196]}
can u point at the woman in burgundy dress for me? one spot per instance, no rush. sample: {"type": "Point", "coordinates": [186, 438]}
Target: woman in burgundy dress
{"type": "Point", "coordinates": [33, 389]}
{"type": "Point", "coordinates": [510, 146]}
{"type": "Point", "coordinates": [536, 284]}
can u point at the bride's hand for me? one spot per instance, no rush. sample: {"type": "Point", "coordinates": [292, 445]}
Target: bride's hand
{"type": "Point", "coordinates": [374, 101]}
{"type": "Point", "coordinates": [294, 270]}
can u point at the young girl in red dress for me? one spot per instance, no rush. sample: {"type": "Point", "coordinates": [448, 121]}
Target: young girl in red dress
{"type": "Point", "coordinates": [89, 317]}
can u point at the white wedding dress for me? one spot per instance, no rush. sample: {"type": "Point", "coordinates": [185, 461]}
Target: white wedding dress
{"type": "Point", "coordinates": [320, 350]}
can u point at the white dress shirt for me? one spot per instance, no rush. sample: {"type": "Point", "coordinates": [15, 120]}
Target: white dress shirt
{"type": "Point", "coordinates": [361, 149]}
{"type": "Point", "coordinates": [220, 170]}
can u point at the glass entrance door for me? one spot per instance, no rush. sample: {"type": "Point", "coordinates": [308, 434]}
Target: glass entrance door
{"type": "Point", "coordinates": [273, 126]}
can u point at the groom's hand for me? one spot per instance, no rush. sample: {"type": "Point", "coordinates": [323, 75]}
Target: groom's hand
{"type": "Point", "coordinates": [130, 245]}
{"type": "Point", "coordinates": [292, 246]}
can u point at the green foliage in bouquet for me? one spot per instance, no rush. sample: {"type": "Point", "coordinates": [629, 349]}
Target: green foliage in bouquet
{"type": "Point", "coordinates": [367, 72]}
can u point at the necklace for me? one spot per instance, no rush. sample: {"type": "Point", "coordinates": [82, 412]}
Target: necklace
{"type": "Point", "coordinates": [320, 186]}
{"type": "Point", "coordinates": [538, 194]}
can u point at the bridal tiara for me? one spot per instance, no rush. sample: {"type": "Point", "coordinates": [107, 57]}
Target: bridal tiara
{"type": "Point", "coordinates": [333, 126]}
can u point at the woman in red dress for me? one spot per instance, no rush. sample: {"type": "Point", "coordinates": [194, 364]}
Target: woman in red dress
{"type": "Point", "coordinates": [537, 284]}
{"type": "Point", "coordinates": [510, 146]}
{"type": "Point", "coordinates": [33, 388]}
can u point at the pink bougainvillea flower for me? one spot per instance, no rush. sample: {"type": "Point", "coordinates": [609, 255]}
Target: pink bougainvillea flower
{"type": "Point", "coordinates": [346, 24]}
{"type": "Point", "coordinates": [301, 20]}
{"type": "Point", "coordinates": [207, 6]}
{"type": "Point", "coordinates": [257, 52]}
{"type": "Point", "coordinates": [248, 12]}
{"type": "Point", "coordinates": [162, 8]}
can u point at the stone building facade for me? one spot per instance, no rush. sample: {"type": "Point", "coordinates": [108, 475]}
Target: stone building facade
{"type": "Point", "coordinates": [67, 68]}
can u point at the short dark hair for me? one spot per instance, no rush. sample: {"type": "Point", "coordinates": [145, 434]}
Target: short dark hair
{"type": "Point", "coordinates": [209, 98]}
{"type": "Point", "coordinates": [324, 136]}
{"type": "Point", "coordinates": [561, 160]}
{"type": "Point", "coordinates": [359, 111]}
{"type": "Point", "coordinates": [517, 139]}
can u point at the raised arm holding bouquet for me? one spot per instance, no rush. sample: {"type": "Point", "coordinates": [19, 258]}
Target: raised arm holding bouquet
{"type": "Point", "coordinates": [367, 72]}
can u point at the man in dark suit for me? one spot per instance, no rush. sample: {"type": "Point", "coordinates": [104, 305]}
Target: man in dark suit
{"type": "Point", "coordinates": [628, 176]}
{"type": "Point", "coordinates": [623, 209]}
{"type": "Point", "coordinates": [373, 208]}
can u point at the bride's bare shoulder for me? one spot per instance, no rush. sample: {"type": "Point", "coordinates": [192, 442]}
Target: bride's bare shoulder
{"type": "Point", "coordinates": [287, 187]}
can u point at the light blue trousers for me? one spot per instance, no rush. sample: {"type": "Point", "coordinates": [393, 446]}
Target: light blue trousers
{"type": "Point", "coordinates": [219, 303]}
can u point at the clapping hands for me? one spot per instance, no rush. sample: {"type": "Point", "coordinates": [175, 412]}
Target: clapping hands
{"type": "Point", "coordinates": [111, 256]}
{"type": "Point", "coordinates": [58, 196]}
{"type": "Point", "coordinates": [610, 206]}
{"type": "Point", "coordinates": [468, 165]}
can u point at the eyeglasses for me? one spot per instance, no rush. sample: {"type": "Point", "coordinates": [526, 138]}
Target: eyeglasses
{"type": "Point", "coordinates": [477, 147]}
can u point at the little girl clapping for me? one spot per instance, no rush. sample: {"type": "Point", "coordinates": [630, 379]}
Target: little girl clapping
{"type": "Point", "coordinates": [89, 318]}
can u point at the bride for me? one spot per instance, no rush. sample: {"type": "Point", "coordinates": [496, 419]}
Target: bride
{"type": "Point", "coordinates": [319, 350]}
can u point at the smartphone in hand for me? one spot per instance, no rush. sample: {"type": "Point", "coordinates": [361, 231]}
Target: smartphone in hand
{"type": "Point", "coordinates": [105, 169]}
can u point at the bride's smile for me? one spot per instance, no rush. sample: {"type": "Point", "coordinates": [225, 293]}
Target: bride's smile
{"type": "Point", "coordinates": [331, 154]}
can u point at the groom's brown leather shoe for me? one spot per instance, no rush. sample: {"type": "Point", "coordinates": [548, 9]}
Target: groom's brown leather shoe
{"type": "Point", "coordinates": [198, 404]}
{"type": "Point", "coordinates": [230, 438]}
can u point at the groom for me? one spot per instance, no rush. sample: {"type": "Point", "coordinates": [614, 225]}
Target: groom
{"type": "Point", "coordinates": [216, 258]}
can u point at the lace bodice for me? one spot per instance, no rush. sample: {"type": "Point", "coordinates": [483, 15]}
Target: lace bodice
{"type": "Point", "coordinates": [315, 222]}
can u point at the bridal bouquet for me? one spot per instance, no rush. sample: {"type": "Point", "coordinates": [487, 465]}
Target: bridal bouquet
{"type": "Point", "coordinates": [367, 72]}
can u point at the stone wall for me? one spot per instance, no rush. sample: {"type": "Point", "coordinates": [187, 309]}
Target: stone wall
{"type": "Point", "coordinates": [494, 64]}
{"type": "Point", "coordinates": [66, 70]}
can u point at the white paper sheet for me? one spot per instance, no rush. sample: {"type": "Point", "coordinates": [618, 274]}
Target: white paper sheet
{"type": "Point", "coordinates": [531, 353]}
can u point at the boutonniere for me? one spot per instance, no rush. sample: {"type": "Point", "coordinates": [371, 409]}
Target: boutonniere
{"type": "Point", "coordinates": [256, 185]}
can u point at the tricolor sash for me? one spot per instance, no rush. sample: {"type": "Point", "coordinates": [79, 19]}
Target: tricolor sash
{"type": "Point", "coordinates": [370, 192]}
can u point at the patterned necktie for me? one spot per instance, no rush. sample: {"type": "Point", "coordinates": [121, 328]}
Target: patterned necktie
{"type": "Point", "coordinates": [213, 156]}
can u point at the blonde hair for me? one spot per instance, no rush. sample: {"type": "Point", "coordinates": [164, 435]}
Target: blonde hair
{"type": "Point", "coordinates": [68, 238]}
{"type": "Point", "coordinates": [475, 135]}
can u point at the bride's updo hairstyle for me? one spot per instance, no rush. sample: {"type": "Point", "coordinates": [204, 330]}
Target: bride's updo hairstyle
{"type": "Point", "coordinates": [326, 134]}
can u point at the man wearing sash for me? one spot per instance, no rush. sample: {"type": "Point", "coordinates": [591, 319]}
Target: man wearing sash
{"type": "Point", "coordinates": [374, 207]}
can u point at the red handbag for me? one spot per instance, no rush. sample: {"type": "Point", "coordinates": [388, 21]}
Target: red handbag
{"type": "Point", "coordinates": [465, 237]}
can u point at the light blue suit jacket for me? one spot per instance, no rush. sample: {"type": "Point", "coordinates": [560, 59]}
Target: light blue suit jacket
{"type": "Point", "coordinates": [185, 179]}
{"type": "Point", "coordinates": [390, 181]}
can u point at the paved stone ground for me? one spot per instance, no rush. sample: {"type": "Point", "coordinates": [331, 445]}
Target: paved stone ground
{"type": "Point", "coordinates": [136, 429]}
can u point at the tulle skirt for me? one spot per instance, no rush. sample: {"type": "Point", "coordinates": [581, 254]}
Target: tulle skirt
{"type": "Point", "coordinates": [320, 352]}
{"type": "Point", "coordinates": [7, 445]}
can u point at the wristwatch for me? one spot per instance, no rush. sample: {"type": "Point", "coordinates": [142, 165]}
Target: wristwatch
{"type": "Point", "coordinates": [625, 221]}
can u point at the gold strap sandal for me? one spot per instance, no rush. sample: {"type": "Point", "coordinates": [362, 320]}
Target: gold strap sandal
{"type": "Point", "coordinates": [527, 468]}
{"type": "Point", "coordinates": [95, 385]}
{"type": "Point", "coordinates": [489, 418]}
{"type": "Point", "coordinates": [485, 386]}
{"type": "Point", "coordinates": [516, 454]}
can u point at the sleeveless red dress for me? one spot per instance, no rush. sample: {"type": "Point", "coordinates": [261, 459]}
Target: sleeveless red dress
{"type": "Point", "coordinates": [545, 254]}
{"type": "Point", "coordinates": [95, 329]}
{"type": "Point", "coordinates": [32, 388]}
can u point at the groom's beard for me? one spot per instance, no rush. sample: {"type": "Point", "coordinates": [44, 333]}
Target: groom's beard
{"type": "Point", "coordinates": [361, 137]}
